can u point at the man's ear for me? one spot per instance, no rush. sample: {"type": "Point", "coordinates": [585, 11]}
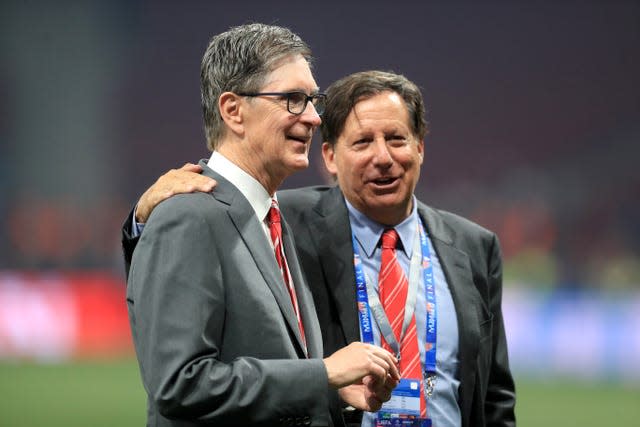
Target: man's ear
{"type": "Point", "coordinates": [329, 157]}
{"type": "Point", "coordinates": [231, 109]}
{"type": "Point", "coordinates": [421, 150]}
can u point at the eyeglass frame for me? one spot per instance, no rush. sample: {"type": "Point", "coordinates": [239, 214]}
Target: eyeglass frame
{"type": "Point", "coordinates": [287, 95]}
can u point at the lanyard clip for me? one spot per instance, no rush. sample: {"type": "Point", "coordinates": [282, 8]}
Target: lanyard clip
{"type": "Point", "coordinates": [429, 384]}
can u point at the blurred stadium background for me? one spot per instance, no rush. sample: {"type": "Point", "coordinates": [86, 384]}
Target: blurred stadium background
{"type": "Point", "coordinates": [534, 109]}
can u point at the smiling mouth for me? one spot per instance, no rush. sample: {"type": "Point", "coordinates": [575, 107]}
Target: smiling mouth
{"type": "Point", "coordinates": [302, 139]}
{"type": "Point", "coordinates": [384, 181]}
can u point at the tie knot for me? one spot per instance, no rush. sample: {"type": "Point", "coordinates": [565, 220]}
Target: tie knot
{"type": "Point", "coordinates": [274, 212]}
{"type": "Point", "coordinates": [390, 239]}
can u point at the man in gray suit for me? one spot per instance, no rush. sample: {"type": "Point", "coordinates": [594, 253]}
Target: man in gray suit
{"type": "Point", "coordinates": [224, 325]}
{"type": "Point", "coordinates": [373, 129]}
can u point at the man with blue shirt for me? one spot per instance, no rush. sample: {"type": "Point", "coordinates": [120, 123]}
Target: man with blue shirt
{"type": "Point", "coordinates": [373, 129]}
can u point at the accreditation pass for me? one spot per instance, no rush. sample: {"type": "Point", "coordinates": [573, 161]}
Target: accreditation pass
{"type": "Point", "coordinates": [403, 408]}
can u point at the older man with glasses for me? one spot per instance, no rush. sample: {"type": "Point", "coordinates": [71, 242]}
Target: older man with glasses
{"type": "Point", "coordinates": [224, 325]}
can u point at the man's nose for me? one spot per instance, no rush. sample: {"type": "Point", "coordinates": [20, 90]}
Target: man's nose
{"type": "Point", "coordinates": [310, 115]}
{"type": "Point", "coordinates": [381, 154]}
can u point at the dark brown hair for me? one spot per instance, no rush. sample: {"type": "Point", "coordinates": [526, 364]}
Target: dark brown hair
{"type": "Point", "coordinates": [345, 93]}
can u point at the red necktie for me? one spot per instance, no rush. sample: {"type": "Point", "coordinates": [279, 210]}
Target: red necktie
{"type": "Point", "coordinates": [393, 288]}
{"type": "Point", "coordinates": [275, 229]}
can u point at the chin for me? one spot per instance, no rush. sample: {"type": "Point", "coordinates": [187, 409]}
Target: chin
{"type": "Point", "coordinates": [300, 164]}
{"type": "Point", "coordinates": [391, 204]}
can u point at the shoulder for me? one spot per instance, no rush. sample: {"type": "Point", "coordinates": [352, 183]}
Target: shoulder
{"type": "Point", "coordinates": [181, 204]}
{"type": "Point", "coordinates": [301, 200]}
{"type": "Point", "coordinates": [184, 211]}
{"type": "Point", "coordinates": [307, 195]}
{"type": "Point", "coordinates": [456, 229]}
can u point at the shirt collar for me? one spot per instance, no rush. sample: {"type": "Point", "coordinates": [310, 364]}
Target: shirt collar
{"type": "Point", "coordinates": [250, 188]}
{"type": "Point", "coordinates": [369, 232]}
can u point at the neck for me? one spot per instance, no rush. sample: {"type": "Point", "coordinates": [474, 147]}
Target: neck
{"type": "Point", "coordinates": [253, 165]}
{"type": "Point", "coordinates": [387, 216]}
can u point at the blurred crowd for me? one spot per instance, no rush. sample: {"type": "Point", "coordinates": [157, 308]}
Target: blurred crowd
{"type": "Point", "coordinates": [534, 128]}
{"type": "Point", "coordinates": [573, 224]}
{"type": "Point", "coordinates": [555, 231]}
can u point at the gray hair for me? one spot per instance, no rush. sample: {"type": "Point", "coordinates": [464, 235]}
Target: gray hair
{"type": "Point", "coordinates": [239, 60]}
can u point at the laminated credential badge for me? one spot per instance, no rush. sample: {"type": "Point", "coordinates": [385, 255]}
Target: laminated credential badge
{"type": "Point", "coordinates": [403, 409]}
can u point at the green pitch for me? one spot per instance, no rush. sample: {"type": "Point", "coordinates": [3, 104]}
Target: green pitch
{"type": "Point", "coordinates": [96, 394]}
{"type": "Point", "coordinates": [110, 394]}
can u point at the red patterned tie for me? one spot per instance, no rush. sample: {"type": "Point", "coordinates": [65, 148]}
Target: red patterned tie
{"type": "Point", "coordinates": [393, 288]}
{"type": "Point", "coordinates": [275, 229]}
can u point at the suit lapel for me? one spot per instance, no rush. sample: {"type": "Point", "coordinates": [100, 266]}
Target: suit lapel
{"type": "Point", "coordinates": [336, 256]}
{"type": "Point", "coordinates": [457, 270]}
{"type": "Point", "coordinates": [305, 300]}
{"type": "Point", "coordinates": [243, 217]}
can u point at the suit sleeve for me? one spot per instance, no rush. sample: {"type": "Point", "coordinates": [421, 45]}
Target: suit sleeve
{"type": "Point", "coordinates": [500, 397]}
{"type": "Point", "coordinates": [128, 242]}
{"type": "Point", "coordinates": [176, 299]}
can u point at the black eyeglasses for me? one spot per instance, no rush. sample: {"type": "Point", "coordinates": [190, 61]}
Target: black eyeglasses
{"type": "Point", "coordinates": [296, 101]}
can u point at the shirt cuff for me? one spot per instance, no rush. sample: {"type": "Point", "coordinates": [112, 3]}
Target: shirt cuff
{"type": "Point", "coordinates": [136, 227]}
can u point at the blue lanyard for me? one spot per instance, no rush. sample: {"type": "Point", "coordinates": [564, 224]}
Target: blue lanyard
{"type": "Point", "coordinates": [432, 318]}
{"type": "Point", "coordinates": [364, 308]}
{"type": "Point", "coordinates": [364, 313]}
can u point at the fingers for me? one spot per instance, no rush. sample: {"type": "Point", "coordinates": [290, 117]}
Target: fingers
{"type": "Point", "coordinates": [360, 397]}
{"type": "Point", "coordinates": [190, 167]}
{"type": "Point", "coordinates": [350, 364]}
{"type": "Point", "coordinates": [356, 395]}
{"type": "Point", "coordinates": [376, 360]}
{"type": "Point", "coordinates": [375, 392]}
{"type": "Point", "coordinates": [373, 402]}
{"type": "Point", "coordinates": [378, 375]}
{"type": "Point", "coordinates": [387, 361]}
{"type": "Point", "coordinates": [187, 179]}
{"type": "Point", "coordinates": [369, 394]}
{"type": "Point", "coordinates": [394, 371]}
{"type": "Point", "coordinates": [380, 389]}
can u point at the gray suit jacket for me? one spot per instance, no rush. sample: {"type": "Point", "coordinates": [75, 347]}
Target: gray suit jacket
{"type": "Point", "coordinates": [214, 329]}
{"type": "Point", "coordinates": [471, 260]}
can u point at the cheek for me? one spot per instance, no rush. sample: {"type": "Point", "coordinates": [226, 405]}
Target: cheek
{"type": "Point", "coordinates": [345, 172]}
{"type": "Point", "coordinates": [410, 162]}
{"type": "Point", "coordinates": [277, 121]}
{"type": "Point", "coordinates": [357, 176]}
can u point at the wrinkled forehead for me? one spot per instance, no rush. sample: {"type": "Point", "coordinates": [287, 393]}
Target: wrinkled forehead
{"type": "Point", "coordinates": [291, 72]}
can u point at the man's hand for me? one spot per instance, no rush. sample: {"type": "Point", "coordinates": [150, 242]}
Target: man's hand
{"type": "Point", "coordinates": [351, 364]}
{"type": "Point", "coordinates": [365, 375]}
{"type": "Point", "coordinates": [187, 179]}
{"type": "Point", "coordinates": [370, 395]}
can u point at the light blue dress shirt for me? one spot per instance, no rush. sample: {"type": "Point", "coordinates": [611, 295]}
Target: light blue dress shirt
{"type": "Point", "coordinates": [442, 406]}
